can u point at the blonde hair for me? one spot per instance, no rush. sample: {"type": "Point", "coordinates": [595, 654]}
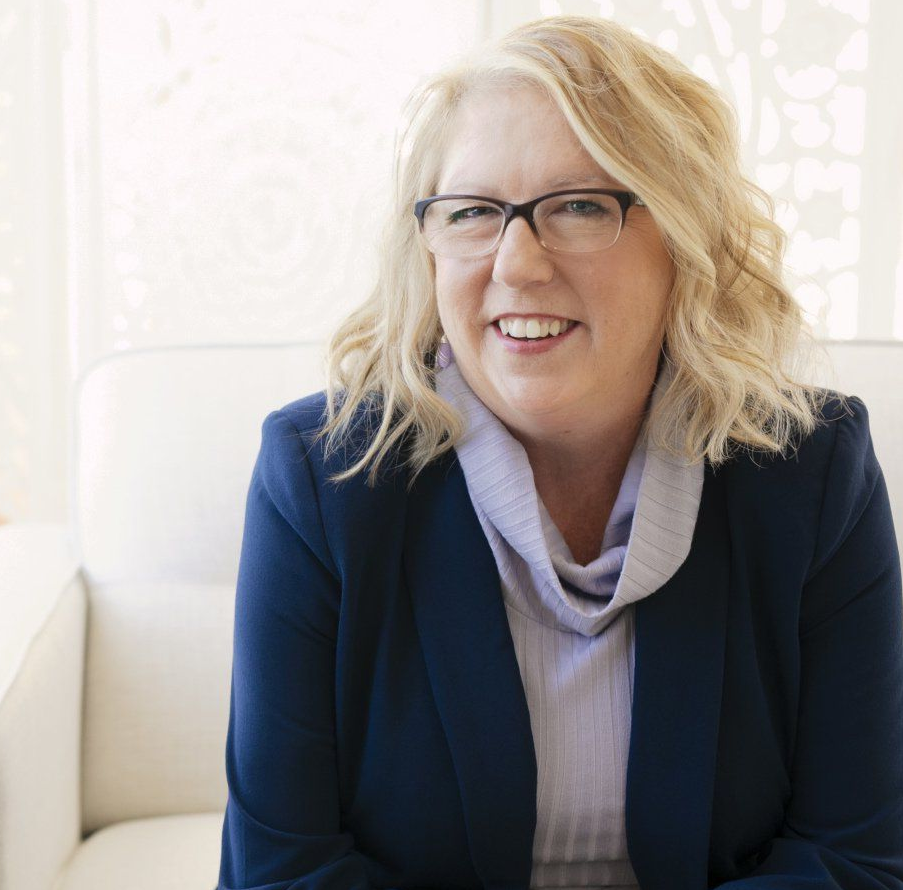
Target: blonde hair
{"type": "Point", "coordinates": [732, 330]}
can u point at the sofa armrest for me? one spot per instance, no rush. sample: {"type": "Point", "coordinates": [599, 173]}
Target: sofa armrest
{"type": "Point", "coordinates": [43, 612]}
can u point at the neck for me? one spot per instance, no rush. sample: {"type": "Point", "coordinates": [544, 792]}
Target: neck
{"type": "Point", "coordinates": [578, 471]}
{"type": "Point", "coordinates": [595, 445]}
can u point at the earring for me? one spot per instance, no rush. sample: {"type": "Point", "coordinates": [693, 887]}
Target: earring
{"type": "Point", "coordinates": [443, 353]}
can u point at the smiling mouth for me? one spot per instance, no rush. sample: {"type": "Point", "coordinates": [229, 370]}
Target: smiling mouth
{"type": "Point", "coordinates": [533, 329]}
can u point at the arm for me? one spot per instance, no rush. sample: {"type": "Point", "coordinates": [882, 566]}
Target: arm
{"type": "Point", "coordinates": [843, 827]}
{"type": "Point", "coordinates": [282, 824]}
{"type": "Point", "coordinates": [43, 611]}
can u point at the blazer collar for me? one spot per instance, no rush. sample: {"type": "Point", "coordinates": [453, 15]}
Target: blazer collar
{"type": "Point", "coordinates": [470, 658]}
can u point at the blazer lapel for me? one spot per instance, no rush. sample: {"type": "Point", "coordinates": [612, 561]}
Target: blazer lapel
{"type": "Point", "coordinates": [460, 617]}
{"type": "Point", "coordinates": [679, 668]}
{"type": "Point", "coordinates": [679, 663]}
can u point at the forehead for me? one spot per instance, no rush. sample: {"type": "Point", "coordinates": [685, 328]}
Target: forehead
{"type": "Point", "coordinates": [515, 138]}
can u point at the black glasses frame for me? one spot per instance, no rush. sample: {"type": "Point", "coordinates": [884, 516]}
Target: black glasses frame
{"type": "Point", "coordinates": [625, 200]}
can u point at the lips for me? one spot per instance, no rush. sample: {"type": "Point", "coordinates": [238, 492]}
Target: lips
{"type": "Point", "coordinates": [533, 345]}
{"type": "Point", "coordinates": [517, 327]}
{"type": "Point", "coordinates": [541, 316]}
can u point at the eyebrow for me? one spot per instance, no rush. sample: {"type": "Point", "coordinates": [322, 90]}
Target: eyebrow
{"type": "Point", "coordinates": [599, 179]}
{"type": "Point", "coordinates": [575, 180]}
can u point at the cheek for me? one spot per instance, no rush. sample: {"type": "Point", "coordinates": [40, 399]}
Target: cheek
{"type": "Point", "coordinates": [657, 261]}
{"type": "Point", "coordinates": [448, 284]}
{"type": "Point", "coordinates": [444, 300]}
{"type": "Point", "coordinates": [459, 295]}
{"type": "Point", "coordinates": [646, 274]}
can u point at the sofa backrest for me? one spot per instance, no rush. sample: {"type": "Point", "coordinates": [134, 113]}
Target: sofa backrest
{"type": "Point", "coordinates": [163, 446]}
{"type": "Point", "coordinates": [164, 443]}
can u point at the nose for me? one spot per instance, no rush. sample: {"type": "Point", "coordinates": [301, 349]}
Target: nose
{"type": "Point", "coordinates": [520, 259]}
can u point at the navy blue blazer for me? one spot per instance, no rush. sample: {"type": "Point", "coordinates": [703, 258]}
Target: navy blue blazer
{"type": "Point", "coordinates": [379, 734]}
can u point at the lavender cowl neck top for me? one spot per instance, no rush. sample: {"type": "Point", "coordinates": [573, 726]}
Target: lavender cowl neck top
{"type": "Point", "coordinates": [572, 628]}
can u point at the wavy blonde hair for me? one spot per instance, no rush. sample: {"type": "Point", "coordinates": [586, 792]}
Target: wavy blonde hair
{"type": "Point", "coordinates": [734, 336]}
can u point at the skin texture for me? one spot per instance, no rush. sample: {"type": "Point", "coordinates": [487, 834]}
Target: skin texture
{"type": "Point", "coordinates": [577, 408]}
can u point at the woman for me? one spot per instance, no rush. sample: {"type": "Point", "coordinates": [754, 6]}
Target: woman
{"type": "Point", "coordinates": [597, 594]}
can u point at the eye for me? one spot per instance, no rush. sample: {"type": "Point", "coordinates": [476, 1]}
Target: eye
{"type": "Point", "coordinates": [583, 207]}
{"type": "Point", "coordinates": [479, 211]}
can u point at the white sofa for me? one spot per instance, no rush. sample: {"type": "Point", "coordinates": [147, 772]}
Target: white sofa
{"type": "Point", "coordinates": [116, 629]}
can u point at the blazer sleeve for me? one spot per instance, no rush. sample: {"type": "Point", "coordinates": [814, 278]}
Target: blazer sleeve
{"type": "Point", "coordinates": [843, 826]}
{"type": "Point", "coordinates": [282, 827]}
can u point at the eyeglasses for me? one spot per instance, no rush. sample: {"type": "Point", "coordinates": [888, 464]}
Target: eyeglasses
{"type": "Point", "coordinates": [570, 221]}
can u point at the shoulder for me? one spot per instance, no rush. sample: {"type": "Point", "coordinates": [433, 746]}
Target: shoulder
{"type": "Point", "coordinates": [853, 482]}
{"type": "Point", "coordinates": [299, 473]}
{"type": "Point", "coordinates": [808, 498]}
{"type": "Point", "coordinates": [300, 422]}
{"type": "Point", "coordinates": [841, 432]}
{"type": "Point", "coordinates": [306, 414]}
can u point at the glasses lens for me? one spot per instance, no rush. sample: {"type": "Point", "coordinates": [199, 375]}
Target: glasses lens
{"type": "Point", "coordinates": [579, 222]}
{"type": "Point", "coordinates": [456, 227]}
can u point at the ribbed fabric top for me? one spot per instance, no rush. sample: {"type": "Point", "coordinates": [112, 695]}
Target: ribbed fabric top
{"type": "Point", "coordinates": [572, 628]}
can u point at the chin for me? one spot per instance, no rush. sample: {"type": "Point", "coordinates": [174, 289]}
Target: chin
{"type": "Point", "coordinates": [532, 404]}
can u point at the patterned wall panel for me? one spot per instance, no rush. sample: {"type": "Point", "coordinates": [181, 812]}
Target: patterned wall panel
{"type": "Point", "coordinates": [243, 160]}
{"type": "Point", "coordinates": [821, 123]}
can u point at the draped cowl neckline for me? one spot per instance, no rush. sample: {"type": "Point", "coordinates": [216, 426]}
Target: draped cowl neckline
{"type": "Point", "coordinates": [646, 540]}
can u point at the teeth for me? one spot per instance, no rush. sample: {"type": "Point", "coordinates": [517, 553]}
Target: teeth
{"type": "Point", "coordinates": [532, 328]}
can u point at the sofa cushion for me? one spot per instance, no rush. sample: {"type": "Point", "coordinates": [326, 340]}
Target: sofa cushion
{"type": "Point", "coordinates": [167, 853]}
